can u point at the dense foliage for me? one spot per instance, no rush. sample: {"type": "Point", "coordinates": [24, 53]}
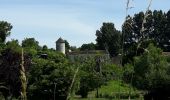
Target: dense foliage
{"type": "Point", "coordinates": [151, 72]}
{"type": "Point", "coordinates": [139, 32]}
{"type": "Point", "coordinates": [51, 75]}
{"type": "Point", "coordinates": [10, 65]}
{"type": "Point", "coordinates": [108, 38]}
{"type": "Point", "coordinates": [5, 30]}
{"type": "Point", "coordinates": [89, 46]}
{"type": "Point", "coordinates": [48, 78]}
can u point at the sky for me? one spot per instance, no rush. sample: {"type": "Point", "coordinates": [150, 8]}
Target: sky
{"type": "Point", "coordinates": [74, 20]}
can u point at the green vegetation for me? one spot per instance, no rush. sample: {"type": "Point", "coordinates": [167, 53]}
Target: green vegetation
{"type": "Point", "coordinates": [138, 34]}
{"type": "Point", "coordinates": [115, 88]}
{"type": "Point", "coordinates": [112, 90]}
{"type": "Point", "coordinates": [145, 71]}
{"type": "Point", "coordinates": [5, 30]}
{"type": "Point", "coordinates": [90, 46]}
{"type": "Point", "coordinates": [109, 39]}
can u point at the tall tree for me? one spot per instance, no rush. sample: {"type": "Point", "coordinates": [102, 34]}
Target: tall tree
{"type": "Point", "coordinates": [5, 30]}
{"type": "Point", "coordinates": [128, 38]}
{"type": "Point", "coordinates": [159, 24]}
{"type": "Point", "coordinates": [141, 29]}
{"type": "Point", "coordinates": [108, 38]}
{"type": "Point", "coordinates": [167, 33]}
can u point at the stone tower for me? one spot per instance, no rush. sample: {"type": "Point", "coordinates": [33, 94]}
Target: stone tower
{"type": "Point", "coordinates": [60, 45]}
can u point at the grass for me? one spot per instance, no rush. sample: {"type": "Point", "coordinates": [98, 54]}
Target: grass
{"type": "Point", "coordinates": [116, 89]}
{"type": "Point", "coordinates": [112, 91]}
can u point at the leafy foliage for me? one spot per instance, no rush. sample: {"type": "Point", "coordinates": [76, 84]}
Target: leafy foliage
{"type": "Point", "coordinates": [91, 78]}
{"type": "Point", "coordinates": [150, 69]}
{"type": "Point", "coordinates": [5, 29]}
{"type": "Point", "coordinates": [30, 43]}
{"type": "Point", "coordinates": [155, 30]}
{"type": "Point", "coordinates": [10, 61]}
{"type": "Point", "coordinates": [151, 72]}
{"type": "Point", "coordinates": [90, 46]}
{"type": "Point", "coordinates": [108, 38]}
{"type": "Point", "coordinates": [49, 74]}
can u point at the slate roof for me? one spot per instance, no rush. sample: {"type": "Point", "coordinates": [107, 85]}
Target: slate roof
{"type": "Point", "coordinates": [60, 40]}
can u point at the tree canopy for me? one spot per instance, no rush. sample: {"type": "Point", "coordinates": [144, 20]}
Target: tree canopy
{"type": "Point", "coordinates": [30, 43]}
{"type": "Point", "coordinates": [5, 30]}
{"type": "Point", "coordinates": [151, 72]}
{"type": "Point", "coordinates": [108, 38]}
{"type": "Point", "coordinates": [155, 30]}
{"type": "Point", "coordinates": [89, 46]}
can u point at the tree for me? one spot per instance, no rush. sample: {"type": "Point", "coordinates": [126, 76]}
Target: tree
{"type": "Point", "coordinates": [108, 38]}
{"type": "Point", "coordinates": [159, 24]}
{"type": "Point", "coordinates": [5, 30]}
{"type": "Point", "coordinates": [128, 39]}
{"type": "Point", "coordinates": [151, 73]}
{"type": "Point", "coordinates": [30, 43]}
{"type": "Point", "coordinates": [90, 46]}
{"type": "Point", "coordinates": [67, 45]}
{"type": "Point", "coordinates": [31, 46]}
{"type": "Point", "coordinates": [94, 73]}
{"type": "Point", "coordinates": [14, 45]}
{"type": "Point", "coordinates": [167, 35]}
{"type": "Point", "coordinates": [10, 59]}
{"type": "Point", "coordinates": [139, 32]}
{"type": "Point", "coordinates": [48, 78]}
{"type": "Point", "coordinates": [44, 48]}
{"type": "Point", "coordinates": [90, 79]}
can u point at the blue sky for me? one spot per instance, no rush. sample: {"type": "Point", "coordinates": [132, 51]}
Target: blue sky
{"type": "Point", "coordinates": [73, 20]}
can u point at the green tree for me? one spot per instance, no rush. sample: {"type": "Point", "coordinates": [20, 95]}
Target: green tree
{"type": "Point", "coordinates": [159, 25]}
{"type": "Point", "coordinates": [10, 65]}
{"type": "Point", "coordinates": [108, 38]}
{"type": "Point", "coordinates": [14, 44]}
{"type": "Point", "coordinates": [31, 46]}
{"type": "Point", "coordinates": [44, 48]}
{"type": "Point", "coordinates": [151, 72]}
{"type": "Point", "coordinates": [139, 32]}
{"type": "Point", "coordinates": [5, 30]}
{"type": "Point", "coordinates": [94, 73]}
{"type": "Point", "coordinates": [89, 78]}
{"type": "Point", "coordinates": [50, 76]}
{"type": "Point", "coordinates": [67, 45]}
{"type": "Point", "coordinates": [30, 43]}
{"type": "Point", "coordinates": [89, 46]}
{"type": "Point", "coordinates": [167, 35]}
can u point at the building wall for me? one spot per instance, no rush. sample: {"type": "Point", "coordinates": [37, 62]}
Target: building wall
{"type": "Point", "coordinates": [83, 57]}
{"type": "Point", "coordinates": [60, 47]}
{"type": "Point", "coordinates": [104, 57]}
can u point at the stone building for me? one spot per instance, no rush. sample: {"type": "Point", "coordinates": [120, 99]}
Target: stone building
{"type": "Point", "coordinates": [60, 45]}
{"type": "Point", "coordinates": [88, 53]}
{"type": "Point", "coordinates": [82, 55]}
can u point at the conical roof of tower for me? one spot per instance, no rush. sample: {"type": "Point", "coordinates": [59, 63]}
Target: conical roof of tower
{"type": "Point", "coordinates": [60, 40]}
